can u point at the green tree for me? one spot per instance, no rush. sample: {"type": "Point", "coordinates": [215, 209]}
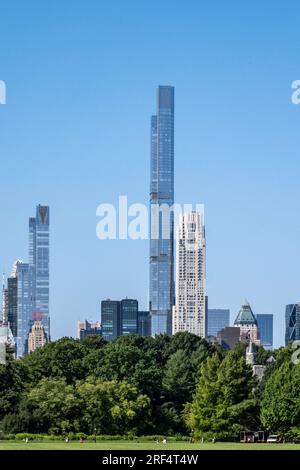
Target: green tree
{"type": "Point", "coordinates": [62, 358]}
{"type": "Point", "coordinates": [280, 404]}
{"type": "Point", "coordinates": [56, 404]}
{"type": "Point", "coordinates": [223, 403]}
{"type": "Point", "coordinates": [112, 407]}
{"type": "Point", "coordinates": [13, 377]}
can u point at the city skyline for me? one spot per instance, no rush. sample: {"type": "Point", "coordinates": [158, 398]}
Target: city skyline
{"type": "Point", "coordinates": [236, 149]}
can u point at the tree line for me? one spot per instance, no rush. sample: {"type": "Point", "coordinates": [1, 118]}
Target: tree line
{"type": "Point", "coordinates": [145, 386]}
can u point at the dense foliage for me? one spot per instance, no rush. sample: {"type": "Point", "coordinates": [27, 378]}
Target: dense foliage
{"type": "Point", "coordinates": [138, 386]}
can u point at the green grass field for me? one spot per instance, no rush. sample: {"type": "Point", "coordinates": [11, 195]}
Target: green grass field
{"type": "Point", "coordinates": [132, 445]}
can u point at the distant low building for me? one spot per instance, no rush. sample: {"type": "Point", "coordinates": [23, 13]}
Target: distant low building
{"type": "Point", "coordinates": [229, 336]}
{"type": "Point", "coordinates": [37, 337]}
{"type": "Point", "coordinates": [87, 329]}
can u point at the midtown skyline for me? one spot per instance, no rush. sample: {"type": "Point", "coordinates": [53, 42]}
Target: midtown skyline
{"type": "Point", "coordinates": [232, 148]}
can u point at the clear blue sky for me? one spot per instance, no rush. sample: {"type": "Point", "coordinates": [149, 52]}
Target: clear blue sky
{"type": "Point", "coordinates": [81, 79]}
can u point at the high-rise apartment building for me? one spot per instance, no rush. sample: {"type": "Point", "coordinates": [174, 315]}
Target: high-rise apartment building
{"type": "Point", "coordinates": [265, 328]}
{"type": "Point", "coordinates": [189, 312]}
{"type": "Point", "coordinates": [30, 283]}
{"type": "Point", "coordinates": [217, 319]}
{"type": "Point", "coordinates": [39, 240]}
{"type": "Point", "coordinates": [36, 337]}
{"type": "Point", "coordinates": [25, 305]}
{"type": "Point", "coordinates": [292, 322]}
{"type": "Point", "coordinates": [161, 289]}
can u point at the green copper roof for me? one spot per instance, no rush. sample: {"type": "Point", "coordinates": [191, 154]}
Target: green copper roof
{"type": "Point", "coordinates": [245, 316]}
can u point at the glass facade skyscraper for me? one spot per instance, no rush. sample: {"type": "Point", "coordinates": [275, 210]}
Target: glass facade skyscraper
{"type": "Point", "coordinates": [129, 317]}
{"type": "Point", "coordinates": [292, 323]}
{"type": "Point", "coordinates": [217, 319]}
{"type": "Point", "coordinates": [265, 328]}
{"type": "Point", "coordinates": [39, 260]}
{"type": "Point", "coordinates": [33, 281]}
{"type": "Point", "coordinates": [110, 319]}
{"type": "Point", "coordinates": [161, 289]}
{"type": "Point", "coordinates": [25, 306]}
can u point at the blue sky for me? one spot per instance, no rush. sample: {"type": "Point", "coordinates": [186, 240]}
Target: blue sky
{"type": "Point", "coordinates": [81, 80]}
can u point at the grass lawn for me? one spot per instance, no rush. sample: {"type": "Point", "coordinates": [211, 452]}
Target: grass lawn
{"type": "Point", "coordinates": [131, 445]}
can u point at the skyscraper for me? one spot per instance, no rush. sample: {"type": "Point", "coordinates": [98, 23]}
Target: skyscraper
{"type": "Point", "coordinates": [189, 312]}
{"type": "Point", "coordinates": [12, 299]}
{"type": "Point", "coordinates": [110, 319]}
{"type": "Point", "coordinates": [129, 317]}
{"type": "Point", "coordinates": [292, 322]}
{"type": "Point", "coordinates": [265, 328]}
{"type": "Point", "coordinates": [39, 260]}
{"type": "Point", "coordinates": [161, 289]}
{"type": "Point", "coordinates": [217, 319]}
{"type": "Point", "coordinates": [25, 306]}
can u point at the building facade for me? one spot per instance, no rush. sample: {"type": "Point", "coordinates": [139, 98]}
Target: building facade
{"type": "Point", "coordinates": [189, 312]}
{"type": "Point", "coordinates": [217, 319]}
{"type": "Point", "coordinates": [229, 336]}
{"type": "Point", "coordinates": [247, 323]}
{"type": "Point", "coordinates": [25, 305]}
{"type": "Point", "coordinates": [292, 323]}
{"type": "Point", "coordinates": [86, 328]}
{"type": "Point", "coordinates": [110, 319]}
{"type": "Point", "coordinates": [161, 289]}
{"type": "Point", "coordinates": [144, 323]}
{"type": "Point", "coordinates": [265, 328]}
{"type": "Point", "coordinates": [129, 317]}
{"type": "Point", "coordinates": [39, 240]}
{"type": "Point", "coordinates": [36, 337]}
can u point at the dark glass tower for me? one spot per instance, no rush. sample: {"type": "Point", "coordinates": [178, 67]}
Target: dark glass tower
{"type": "Point", "coordinates": [161, 290]}
{"type": "Point", "coordinates": [12, 304]}
{"type": "Point", "coordinates": [110, 319]}
{"type": "Point", "coordinates": [292, 323]}
{"type": "Point", "coordinates": [129, 317]}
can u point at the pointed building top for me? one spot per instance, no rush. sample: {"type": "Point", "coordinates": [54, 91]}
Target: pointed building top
{"type": "Point", "coordinates": [245, 316]}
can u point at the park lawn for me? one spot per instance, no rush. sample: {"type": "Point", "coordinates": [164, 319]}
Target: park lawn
{"type": "Point", "coordinates": [133, 445]}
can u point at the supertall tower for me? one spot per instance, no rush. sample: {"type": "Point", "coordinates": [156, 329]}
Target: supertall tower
{"type": "Point", "coordinates": [161, 289]}
{"type": "Point", "coordinates": [39, 240]}
{"type": "Point", "coordinates": [189, 312]}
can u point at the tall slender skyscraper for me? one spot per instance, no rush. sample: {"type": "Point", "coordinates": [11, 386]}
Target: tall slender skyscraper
{"type": "Point", "coordinates": [189, 312]}
{"type": "Point", "coordinates": [25, 306]}
{"type": "Point", "coordinates": [39, 260]}
{"type": "Point", "coordinates": [161, 292]}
